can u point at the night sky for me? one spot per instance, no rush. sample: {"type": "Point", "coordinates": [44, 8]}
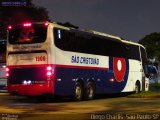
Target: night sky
{"type": "Point", "coordinates": [129, 19]}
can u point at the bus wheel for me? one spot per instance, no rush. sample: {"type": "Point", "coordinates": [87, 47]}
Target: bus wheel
{"type": "Point", "coordinates": [137, 88]}
{"type": "Point", "coordinates": [78, 93]}
{"type": "Point", "coordinates": [90, 91]}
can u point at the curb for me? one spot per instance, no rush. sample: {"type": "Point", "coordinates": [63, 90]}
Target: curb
{"type": "Point", "coordinates": [149, 96]}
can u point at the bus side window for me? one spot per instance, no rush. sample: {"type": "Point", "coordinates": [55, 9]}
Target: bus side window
{"type": "Point", "coordinates": [133, 52]}
{"type": "Point", "coordinates": [143, 55]}
{"type": "Point", "coordinates": [85, 43]}
{"type": "Point", "coordinates": [63, 39]}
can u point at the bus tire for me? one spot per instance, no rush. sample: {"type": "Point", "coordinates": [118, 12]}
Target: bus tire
{"type": "Point", "coordinates": [90, 91]}
{"type": "Point", "coordinates": [78, 92]}
{"type": "Point", "coordinates": [137, 88]}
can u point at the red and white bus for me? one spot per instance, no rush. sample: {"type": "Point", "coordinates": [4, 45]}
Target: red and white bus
{"type": "Point", "coordinates": [49, 58]}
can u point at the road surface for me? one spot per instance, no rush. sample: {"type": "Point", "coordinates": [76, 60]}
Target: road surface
{"type": "Point", "coordinates": [103, 108]}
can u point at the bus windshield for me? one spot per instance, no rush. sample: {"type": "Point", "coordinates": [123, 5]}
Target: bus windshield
{"type": "Point", "coordinates": [27, 34]}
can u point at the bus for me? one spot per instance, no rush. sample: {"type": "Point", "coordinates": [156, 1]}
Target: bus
{"type": "Point", "coordinates": [52, 59]}
{"type": "Point", "coordinates": [3, 78]}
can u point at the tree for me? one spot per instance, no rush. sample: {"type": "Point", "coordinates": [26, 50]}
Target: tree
{"type": "Point", "coordinates": [152, 44]}
{"type": "Point", "coordinates": [17, 14]}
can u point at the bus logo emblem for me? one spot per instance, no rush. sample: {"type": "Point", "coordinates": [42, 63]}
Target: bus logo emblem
{"type": "Point", "coordinates": [119, 68]}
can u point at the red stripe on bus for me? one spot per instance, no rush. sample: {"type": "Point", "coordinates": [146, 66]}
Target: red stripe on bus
{"type": "Point", "coordinates": [59, 66]}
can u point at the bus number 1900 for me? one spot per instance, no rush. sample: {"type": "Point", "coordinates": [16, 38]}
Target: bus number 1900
{"type": "Point", "coordinates": [40, 58]}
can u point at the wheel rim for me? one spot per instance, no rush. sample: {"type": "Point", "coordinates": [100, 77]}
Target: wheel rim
{"type": "Point", "coordinates": [90, 91]}
{"type": "Point", "coordinates": [78, 92]}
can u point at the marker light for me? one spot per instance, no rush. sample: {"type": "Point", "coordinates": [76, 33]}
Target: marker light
{"type": "Point", "coordinates": [24, 82]}
{"type": "Point", "coordinates": [4, 66]}
{"type": "Point", "coordinates": [27, 82]}
{"type": "Point", "coordinates": [46, 24]}
{"type": "Point", "coordinates": [111, 79]}
{"type": "Point", "coordinates": [7, 69]}
{"type": "Point", "coordinates": [49, 70]}
{"type": "Point", "coordinates": [27, 25]}
{"type": "Point", "coordinates": [9, 27]}
{"type": "Point", "coordinates": [49, 73]}
{"type": "Point", "coordinates": [7, 72]}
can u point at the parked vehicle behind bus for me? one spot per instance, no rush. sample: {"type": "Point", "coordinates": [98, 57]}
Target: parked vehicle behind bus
{"type": "Point", "coordinates": [48, 58]}
{"type": "Point", "coordinates": [3, 78]}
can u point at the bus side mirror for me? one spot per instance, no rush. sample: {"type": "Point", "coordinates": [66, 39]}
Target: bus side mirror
{"type": "Point", "coordinates": [146, 71]}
